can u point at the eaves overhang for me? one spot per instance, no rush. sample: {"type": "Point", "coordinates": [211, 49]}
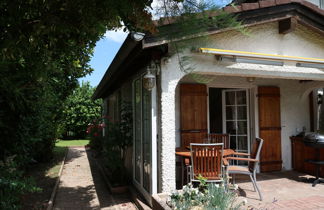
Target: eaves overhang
{"type": "Point", "coordinates": [251, 14]}
{"type": "Point", "coordinates": [127, 47]}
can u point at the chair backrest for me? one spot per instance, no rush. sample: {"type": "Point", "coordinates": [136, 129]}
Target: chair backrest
{"type": "Point", "coordinates": [255, 153]}
{"type": "Point", "coordinates": [219, 138]}
{"type": "Point", "coordinates": [206, 160]}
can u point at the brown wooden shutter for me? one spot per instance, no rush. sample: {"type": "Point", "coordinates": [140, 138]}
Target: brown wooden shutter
{"type": "Point", "coordinates": [193, 113]}
{"type": "Point", "coordinates": [270, 128]}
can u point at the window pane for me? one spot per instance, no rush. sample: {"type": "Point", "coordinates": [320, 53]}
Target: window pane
{"type": "Point", "coordinates": [138, 130]}
{"type": "Point", "coordinates": [241, 97]}
{"type": "Point", "coordinates": [241, 113]}
{"type": "Point", "coordinates": [233, 142]}
{"type": "Point", "coordinates": [147, 166]}
{"type": "Point", "coordinates": [241, 127]}
{"type": "Point", "coordinates": [231, 127]}
{"type": "Point", "coordinates": [230, 98]}
{"type": "Point", "coordinates": [242, 143]}
{"type": "Point", "coordinates": [230, 113]}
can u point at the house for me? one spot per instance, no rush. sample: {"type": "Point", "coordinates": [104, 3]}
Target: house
{"type": "Point", "coordinates": [261, 85]}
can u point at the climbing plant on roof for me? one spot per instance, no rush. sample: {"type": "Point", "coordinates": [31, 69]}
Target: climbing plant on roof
{"type": "Point", "coordinates": [187, 24]}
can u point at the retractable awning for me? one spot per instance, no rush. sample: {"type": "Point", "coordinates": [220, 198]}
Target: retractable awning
{"type": "Point", "coordinates": [300, 61]}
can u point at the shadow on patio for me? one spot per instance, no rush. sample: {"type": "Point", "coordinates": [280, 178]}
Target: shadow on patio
{"type": "Point", "coordinates": [288, 189]}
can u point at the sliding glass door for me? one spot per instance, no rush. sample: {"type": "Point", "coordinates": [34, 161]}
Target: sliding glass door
{"type": "Point", "coordinates": [142, 137]}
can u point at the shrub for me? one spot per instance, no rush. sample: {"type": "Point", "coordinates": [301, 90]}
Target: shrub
{"type": "Point", "coordinates": [114, 145]}
{"type": "Point", "coordinates": [13, 185]}
{"type": "Point", "coordinates": [205, 197]}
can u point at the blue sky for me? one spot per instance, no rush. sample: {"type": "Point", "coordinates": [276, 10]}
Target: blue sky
{"type": "Point", "coordinates": [107, 48]}
{"type": "Point", "coordinates": [104, 53]}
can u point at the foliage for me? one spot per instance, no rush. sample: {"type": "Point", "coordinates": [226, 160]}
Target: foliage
{"type": "Point", "coordinates": [12, 185]}
{"type": "Point", "coordinates": [113, 146]}
{"type": "Point", "coordinates": [116, 142]}
{"type": "Point", "coordinates": [187, 25]}
{"type": "Point", "coordinates": [79, 110]}
{"type": "Point", "coordinates": [45, 46]}
{"type": "Point", "coordinates": [95, 131]}
{"type": "Point", "coordinates": [205, 197]}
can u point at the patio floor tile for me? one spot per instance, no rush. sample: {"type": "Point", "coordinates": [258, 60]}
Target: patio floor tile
{"type": "Point", "coordinates": [282, 190]}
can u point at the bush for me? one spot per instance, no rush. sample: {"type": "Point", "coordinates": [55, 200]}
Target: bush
{"type": "Point", "coordinates": [205, 197]}
{"type": "Point", "coordinates": [13, 185]}
{"type": "Point", "coordinates": [114, 145]}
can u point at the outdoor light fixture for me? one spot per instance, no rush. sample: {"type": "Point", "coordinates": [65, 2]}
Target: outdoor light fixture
{"type": "Point", "coordinates": [149, 78]}
{"type": "Point", "coordinates": [250, 79]}
{"type": "Point", "coordinates": [137, 36]}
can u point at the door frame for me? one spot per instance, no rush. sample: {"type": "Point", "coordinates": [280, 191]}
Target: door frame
{"type": "Point", "coordinates": [252, 90]}
{"type": "Point", "coordinates": [247, 94]}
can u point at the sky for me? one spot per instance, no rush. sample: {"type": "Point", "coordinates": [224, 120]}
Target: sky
{"type": "Point", "coordinates": [104, 53]}
{"type": "Point", "coordinates": [107, 48]}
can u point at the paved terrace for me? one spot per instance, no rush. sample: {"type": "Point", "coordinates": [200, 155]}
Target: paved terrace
{"type": "Point", "coordinates": [282, 190]}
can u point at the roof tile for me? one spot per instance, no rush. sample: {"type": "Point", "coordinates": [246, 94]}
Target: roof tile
{"type": "Point", "coordinates": [267, 3]}
{"type": "Point", "coordinates": [310, 5]}
{"type": "Point", "coordinates": [250, 6]}
{"type": "Point", "coordinates": [233, 9]}
{"type": "Point", "coordinates": [280, 2]}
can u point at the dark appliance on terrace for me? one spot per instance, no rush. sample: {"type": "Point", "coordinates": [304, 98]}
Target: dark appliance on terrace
{"type": "Point", "coordinates": [316, 141]}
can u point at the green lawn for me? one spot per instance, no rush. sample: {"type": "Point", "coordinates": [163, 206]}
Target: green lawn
{"type": "Point", "coordinates": [68, 143]}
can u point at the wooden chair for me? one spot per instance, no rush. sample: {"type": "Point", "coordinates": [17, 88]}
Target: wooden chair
{"type": "Point", "coordinates": [207, 161]}
{"type": "Point", "coordinates": [219, 138]}
{"type": "Point", "coordinates": [253, 160]}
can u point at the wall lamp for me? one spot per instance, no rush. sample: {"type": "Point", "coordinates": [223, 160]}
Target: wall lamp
{"type": "Point", "coordinates": [149, 79]}
{"type": "Point", "coordinates": [137, 36]}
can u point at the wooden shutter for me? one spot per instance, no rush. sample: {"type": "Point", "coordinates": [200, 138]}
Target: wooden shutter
{"type": "Point", "coordinates": [270, 128]}
{"type": "Point", "coordinates": [193, 113]}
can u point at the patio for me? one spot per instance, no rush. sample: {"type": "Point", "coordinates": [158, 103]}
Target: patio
{"type": "Point", "coordinates": [282, 190]}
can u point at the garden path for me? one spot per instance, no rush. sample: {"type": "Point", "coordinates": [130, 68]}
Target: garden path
{"type": "Point", "coordinates": [82, 187]}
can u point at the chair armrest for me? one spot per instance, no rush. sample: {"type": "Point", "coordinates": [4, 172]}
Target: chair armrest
{"type": "Point", "coordinates": [225, 162]}
{"type": "Point", "coordinates": [244, 159]}
{"type": "Point", "coordinates": [241, 153]}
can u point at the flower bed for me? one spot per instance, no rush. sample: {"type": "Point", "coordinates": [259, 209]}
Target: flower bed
{"type": "Point", "coordinates": [204, 197]}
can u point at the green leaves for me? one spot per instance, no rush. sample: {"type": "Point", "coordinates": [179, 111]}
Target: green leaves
{"type": "Point", "coordinates": [79, 110]}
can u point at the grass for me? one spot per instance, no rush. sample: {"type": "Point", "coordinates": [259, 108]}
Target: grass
{"type": "Point", "coordinates": [69, 143]}
{"type": "Point", "coordinates": [59, 153]}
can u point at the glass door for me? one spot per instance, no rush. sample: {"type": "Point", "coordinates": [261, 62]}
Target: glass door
{"type": "Point", "coordinates": [236, 118]}
{"type": "Point", "coordinates": [142, 137]}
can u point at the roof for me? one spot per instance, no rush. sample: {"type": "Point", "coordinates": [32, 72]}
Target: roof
{"type": "Point", "coordinates": [249, 14]}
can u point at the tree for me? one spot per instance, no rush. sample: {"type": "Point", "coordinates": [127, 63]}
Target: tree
{"type": "Point", "coordinates": [80, 110]}
{"type": "Point", "coordinates": [45, 46]}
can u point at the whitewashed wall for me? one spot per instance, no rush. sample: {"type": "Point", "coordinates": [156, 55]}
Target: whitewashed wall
{"type": "Point", "coordinates": [263, 39]}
